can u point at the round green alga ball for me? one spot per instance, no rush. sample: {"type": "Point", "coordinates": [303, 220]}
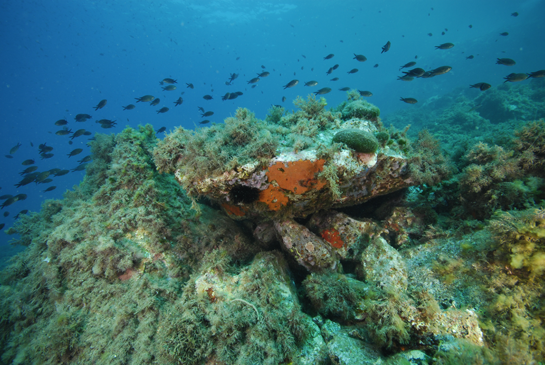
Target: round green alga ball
{"type": "Point", "coordinates": [358, 140]}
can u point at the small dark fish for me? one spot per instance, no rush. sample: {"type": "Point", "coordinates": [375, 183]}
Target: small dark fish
{"type": "Point", "coordinates": [207, 97]}
{"type": "Point", "coordinates": [155, 102]}
{"type": "Point", "coordinates": [238, 93]}
{"type": "Point", "coordinates": [78, 133]}
{"type": "Point", "coordinates": [27, 162]}
{"type": "Point", "coordinates": [129, 107]}
{"type": "Point", "coordinates": [9, 201]}
{"type": "Point", "coordinates": [77, 151]}
{"type": "Point", "coordinates": [225, 97]}
{"type": "Point", "coordinates": [101, 104]}
{"type": "Point", "coordinates": [190, 86]}
{"type": "Point", "coordinates": [46, 181]}
{"type": "Point", "coordinates": [409, 100]}
{"type": "Point", "coordinates": [335, 79]}
{"type": "Point", "coordinates": [353, 71]}
{"type": "Point", "coordinates": [63, 132]}
{"type": "Point", "coordinates": [365, 93]}
{"type": "Point", "coordinates": [8, 156]}
{"type": "Point", "coordinates": [386, 47]}
{"type": "Point", "coordinates": [160, 130]}
{"type": "Point", "coordinates": [162, 110]}
{"type": "Point", "coordinates": [42, 176]}
{"type": "Point", "coordinates": [62, 173]}
{"type": "Point", "coordinates": [89, 158]}
{"type": "Point", "coordinates": [106, 123]}
{"type": "Point", "coordinates": [470, 26]}
{"type": "Point", "coordinates": [505, 61]}
{"type": "Point", "coordinates": [470, 57]}
{"type": "Point", "coordinates": [28, 170]}
{"type": "Point", "coordinates": [323, 91]}
{"type": "Point", "coordinates": [329, 56]}
{"type": "Point", "coordinates": [430, 34]}
{"type": "Point", "coordinates": [263, 67]}
{"type": "Point", "coordinates": [26, 180]}
{"type": "Point", "coordinates": [51, 188]}
{"type": "Point", "coordinates": [407, 65]}
{"type": "Point", "coordinates": [346, 88]}
{"type": "Point", "coordinates": [80, 167]}
{"type": "Point", "coordinates": [376, 65]}
{"type": "Point", "coordinates": [427, 75]}
{"type": "Point", "coordinates": [335, 67]}
{"type": "Point", "coordinates": [360, 57]}
{"type": "Point", "coordinates": [263, 74]}
{"type": "Point", "coordinates": [2, 225]}
{"type": "Point", "coordinates": [46, 155]}
{"type": "Point", "coordinates": [22, 212]}
{"type": "Point", "coordinates": [61, 122]}
{"type": "Point", "coordinates": [169, 88]}
{"type": "Point", "coordinates": [54, 171]}
{"type": "Point", "coordinates": [283, 98]}
{"type": "Point", "coordinates": [442, 33]}
{"type": "Point", "coordinates": [481, 86]}
{"type": "Point", "coordinates": [206, 121]}
{"type": "Point", "coordinates": [145, 98]}
{"type": "Point", "coordinates": [515, 77]}
{"type": "Point", "coordinates": [292, 83]}
{"type": "Point", "coordinates": [168, 80]}
{"type": "Point", "coordinates": [415, 72]}
{"type": "Point", "coordinates": [200, 108]}
{"type": "Point", "coordinates": [515, 14]}
{"type": "Point", "coordinates": [179, 101]}
{"type": "Point", "coordinates": [14, 149]}
{"type": "Point", "coordinates": [505, 34]}
{"type": "Point", "coordinates": [445, 46]}
{"type": "Point", "coordinates": [537, 74]}
{"type": "Point", "coordinates": [440, 70]}
{"type": "Point", "coordinates": [254, 80]}
{"type": "Point", "coordinates": [21, 196]}
{"type": "Point", "coordinates": [207, 114]}
{"type": "Point", "coordinates": [329, 71]}
{"type": "Point", "coordinates": [405, 78]}
{"type": "Point", "coordinates": [311, 83]}
{"type": "Point", "coordinates": [6, 214]}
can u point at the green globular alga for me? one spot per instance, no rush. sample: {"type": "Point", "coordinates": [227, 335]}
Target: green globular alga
{"type": "Point", "coordinates": [358, 140]}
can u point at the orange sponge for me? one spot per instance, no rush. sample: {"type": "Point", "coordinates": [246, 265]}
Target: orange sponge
{"type": "Point", "coordinates": [297, 176]}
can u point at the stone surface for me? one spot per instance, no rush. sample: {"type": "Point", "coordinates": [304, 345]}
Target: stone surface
{"type": "Point", "coordinates": [384, 265]}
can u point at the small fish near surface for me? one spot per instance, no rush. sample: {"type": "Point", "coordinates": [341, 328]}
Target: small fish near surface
{"type": "Point", "coordinates": [179, 101]}
{"type": "Point", "coordinates": [376, 65]}
{"type": "Point", "coordinates": [163, 110]}
{"type": "Point", "coordinates": [78, 133]}
{"type": "Point", "coordinates": [515, 14]}
{"type": "Point", "coordinates": [61, 122]}
{"type": "Point", "coordinates": [409, 100]}
{"type": "Point", "coordinates": [263, 74]}
{"type": "Point", "coordinates": [161, 130]}
{"type": "Point", "coordinates": [537, 74]}
{"type": "Point", "coordinates": [27, 162]}
{"type": "Point", "coordinates": [168, 80]}
{"type": "Point", "coordinates": [360, 57]}
{"type": "Point", "coordinates": [311, 83]}
{"type": "Point", "coordinates": [515, 77]}
{"type": "Point", "coordinates": [28, 170]}
{"type": "Point", "coordinates": [206, 121]}
{"type": "Point", "coordinates": [505, 62]}
{"type": "Point", "coordinates": [365, 93]}
{"type": "Point", "coordinates": [145, 99]}
{"type": "Point", "coordinates": [335, 67]}
{"type": "Point", "coordinates": [504, 34]}
{"type": "Point", "coordinates": [80, 167]}
{"type": "Point", "coordinates": [346, 88]}
{"type": "Point", "coordinates": [386, 47]}
{"type": "Point", "coordinates": [106, 123]}
{"type": "Point", "coordinates": [470, 57]}
{"type": "Point", "coordinates": [155, 102]}
{"type": "Point", "coordinates": [51, 188]}
{"type": "Point", "coordinates": [169, 88]}
{"type": "Point", "coordinates": [82, 117]}
{"type": "Point", "coordinates": [75, 152]}
{"type": "Point", "coordinates": [481, 86]}
{"type": "Point", "coordinates": [329, 56]}
{"type": "Point", "coordinates": [445, 46]}
{"type": "Point", "coordinates": [254, 80]}
{"type": "Point", "coordinates": [407, 65]}
{"type": "Point", "coordinates": [406, 78]}
{"type": "Point", "coordinates": [101, 104]}
{"type": "Point", "coordinates": [15, 148]}
{"type": "Point", "coordinates": [292, 83]}
{"type": "Point", "coordinates": [335, 79]}
{"type": "Point", "coordinates": [190, 86]}
{"type": "Point", "coordinates": [323, 91]}
{"type": "Point", "coordinates": [129, 107]}
{"type": "Point", "coordinates": [353, 71]}
{"type": "Point", "coordinates": [207, 97]}
{"type": "Point", "coordinates": [207, 114]}
{"type": "Point", "coordinates": [415, 72]}
{"type": "Point", "coordinates": [87, 159]}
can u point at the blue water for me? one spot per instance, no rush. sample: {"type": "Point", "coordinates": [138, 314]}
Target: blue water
{"type": "Point", "coordinates": [60, 58]}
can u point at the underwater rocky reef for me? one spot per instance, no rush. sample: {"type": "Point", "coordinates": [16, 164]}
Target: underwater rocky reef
{"type": "Point", "coordinates": [316, 236]}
